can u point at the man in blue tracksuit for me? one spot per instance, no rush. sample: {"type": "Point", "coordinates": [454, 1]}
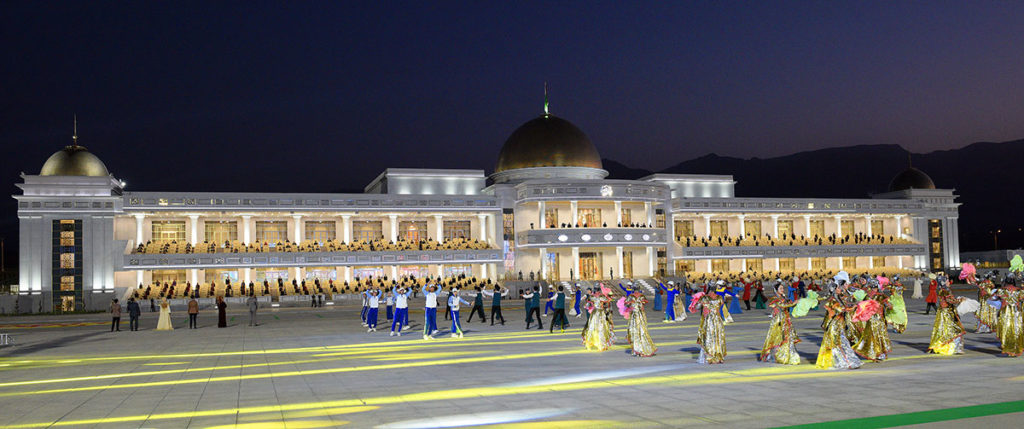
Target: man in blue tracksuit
{"type": "Point", "coordinates": [453, 302]}
{"type": "Point", "coordinates": [429, 311]}
{"type": "Point", "coordinates": [547, 306]}
{"type": "Point", "coordinates": [578, 295]}
{"type": "Point", "coordinates": [670, 298]}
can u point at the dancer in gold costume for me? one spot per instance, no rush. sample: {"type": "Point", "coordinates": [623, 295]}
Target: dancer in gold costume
{"type": "Point", "coordinates": [599, 334]}
{"type": "Point", "coordinates": [988, 316]}
{"type": "Point", "coordinates": [835, 351]}
{"type": "Point", "coordinates": [947, 331]}
{"type": "Point", "coordinates": [637, 333]}
{"type": "Point", "coordinates": [780, 344]}
{"type": "Point", "coordinates": [711, 333]}
{"type": "Point", "coordinates": [1011, 326]}
{"type": "Point", "coordinates": [873, 343]}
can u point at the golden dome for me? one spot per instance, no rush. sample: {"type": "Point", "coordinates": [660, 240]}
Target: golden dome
{"type": "Point", "coordinates": [74, 160]}
{"type": "Point", "coordinates": [547, 141]}
{"type": "Point", "coordinates": [911, 178]}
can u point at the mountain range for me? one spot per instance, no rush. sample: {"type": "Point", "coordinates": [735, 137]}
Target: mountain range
{"type": "Point", "coordinates": [985, 175]}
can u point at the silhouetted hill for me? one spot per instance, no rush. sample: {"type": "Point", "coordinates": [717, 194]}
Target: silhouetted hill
{"type": "Point", "coordinates": [618, 171]}
{"type": "Point", "coordinates": [985, 175]}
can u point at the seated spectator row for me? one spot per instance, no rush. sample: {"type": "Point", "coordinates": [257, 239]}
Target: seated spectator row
{"type": "Point", "coordinates": [236, 246]}
{"type": "Point", "coordinates": [304, 287]}
{"type": "Point", "coordinates": [790, 240]}
{"type": "Point", "coordinates": [806, 275]}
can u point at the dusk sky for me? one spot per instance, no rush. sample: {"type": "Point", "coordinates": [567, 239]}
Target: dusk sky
{"type": "Point", "coordinates": [320, 96]}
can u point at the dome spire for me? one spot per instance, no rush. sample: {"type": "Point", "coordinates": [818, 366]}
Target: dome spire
{"type": "Point", "coordinates": [74, 137]}
{"type": "Point", "coordinates": [546, 113]}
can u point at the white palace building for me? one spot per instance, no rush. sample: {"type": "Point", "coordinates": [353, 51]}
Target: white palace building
{"type": "Point", "coordinates": [546, 212]}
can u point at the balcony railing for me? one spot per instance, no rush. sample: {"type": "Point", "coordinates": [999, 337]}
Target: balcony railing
{"type": "Point", "coordinates": [309, 259]}
{"type": "Point", "coordinates": [591, 237]}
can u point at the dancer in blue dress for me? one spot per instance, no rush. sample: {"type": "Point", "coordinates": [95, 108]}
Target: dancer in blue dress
{"type": "Point", "coordinates": [734, 303]}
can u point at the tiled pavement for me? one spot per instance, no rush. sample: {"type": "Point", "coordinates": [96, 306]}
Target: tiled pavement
{"type": "Point", "coordinates": [319, 368]}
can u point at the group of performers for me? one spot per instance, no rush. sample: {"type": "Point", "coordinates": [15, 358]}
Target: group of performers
{"type": "Point", "coordinates": [860, 313]}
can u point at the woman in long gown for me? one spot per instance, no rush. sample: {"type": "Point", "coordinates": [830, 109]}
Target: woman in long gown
{"type": "Point", "coordinates": [599, 334]}
{"type": "Point", "coordinates": [711, 334]}
{"type": "Point", "coordinates": [835, 351]}
{"type": "Point", "coordinates": [873, 343]}
{"type": "Point", "coordinates": [222, 317]}
{"type": "Point", "coordinates": [947, 331]}
{"type": "Point", "coordinates": [988, 316]}
{"type": "Point", "coordinates": [897, 315]}
{"type": "Point", "coordinates": [637, 333]}
{"type": "Point", "coordinates": [1011, 326]}
{"type": "Point", "coordinates": [164, 323]}
{"type": "Point", "coordinates": [780, 344]}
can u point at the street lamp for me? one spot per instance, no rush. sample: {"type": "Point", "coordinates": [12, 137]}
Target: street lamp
{"type": "Point", "coordinates": [995, 238]}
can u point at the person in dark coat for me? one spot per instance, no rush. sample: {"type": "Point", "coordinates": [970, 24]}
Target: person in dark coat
{"type": "Point", "coordinates": [222, 313]}
{"type": "Point", "coordinates": [133, 314]}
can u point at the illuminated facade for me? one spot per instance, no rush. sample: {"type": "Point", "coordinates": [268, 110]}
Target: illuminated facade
{"type": "Point", "coordinates": [547, 212]}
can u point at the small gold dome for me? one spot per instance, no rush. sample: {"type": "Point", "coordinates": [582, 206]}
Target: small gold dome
{"type": "Point", "coordinates": [547, 141]}
{"type": "Point", "coordinates": [74, 161]}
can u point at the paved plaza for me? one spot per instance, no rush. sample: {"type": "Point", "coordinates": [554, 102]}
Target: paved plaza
{"type": "Point", "coordinates": [307, 368]}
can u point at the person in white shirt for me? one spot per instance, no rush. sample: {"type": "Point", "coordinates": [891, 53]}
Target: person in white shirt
{"type": "Point", "coordinates": [453, 301]}
{"type": "Point", "coordinates": [401, 311]}
{"type": "Point", "coordinates": [389, 301]}
{"type": "Point", "coordinates": [373, 304]}
{"type": "Point", "coordinates": [429, 311]}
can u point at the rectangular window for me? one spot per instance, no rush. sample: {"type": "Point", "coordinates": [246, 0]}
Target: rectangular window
{"type": "Point", "coordinates": [849, 263]}
{"type": "Point", "coordinates": [935, 228]}
{"type": "Point", "coordinates": [752, 228]}
{"type": "Point", "coordinates": [936, 247]}
{"type": "Point", "coordinates": [221, 231]}
{"type": "Point", "coordinates": [67, 260]}
{"type": "Point", "coordinates": [755, 265]}
{"type": "Point", "coordinates": [846, 228]}
{"type": "Point", "coordinates": [368, 230]}
{"type": "Point", "coordinates": [785, 228]}
{"type": "Point", "coordinates": [936, 263]}
{"type": "Point", "coordinates": [457, 270]}
{"type": "Point", "coordinates": [878, 261]}
{"type": "Point", "coordinates": [627, 217]}
{"type": "Point", "coordinates": [269, 231]}
{"type": "Point", "coordinates": [67, 238]}
{"type": "Point", "coordinates": [413, 231]}
{"type": "Point", "coordinates": [168, 276]}
{"type": "Point", "coordinates": [719, 265]}
{"type": "Point", "coordinates": [456, 229]}
{"type": "Point", "coordinates": [323, 230]}
{"type": "Point", "coordinates": [877, 227]}
{"type": "Point", "coordinates": [551, 218]}
{"type": "Point", "coordinates": [787, 264]}
{"type": "Point", "coordinates": [508, 225]}
{"type": "Point", "coordinates": [67, 283]}
{"type": "Point", "coordinates": [817, 228]}
{"type": "Point", "coordinates": [684, 228]}
{"type": "Point", "coordinates": [719, 228]}
{"type": "Point", "coordinates": [368, 272]}
{"type": "Point", "coordinates": [817, 263]}
{"type": "Point", "coordinates": [685, 266]}
{"type": "Point", "coordinates": [589, 218]}
{"type": "Point", "coordinates": [168, 230]}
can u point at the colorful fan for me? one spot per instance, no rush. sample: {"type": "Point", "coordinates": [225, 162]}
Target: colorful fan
{"type": "Point", "coordinates": [1016, 264]}
{"type": "Point", "coordinates": [859, 294]}
{"type": "Point", "coordinates": [967, 271]}
{"type": "Point", "coordinates": [623, 308]}
{"type": "Point", "coordinates": [866, 309]}
{"type": "Point", "coordinates": [694, 301]}
{"type": "Point", "coordinates": [804, 305]}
